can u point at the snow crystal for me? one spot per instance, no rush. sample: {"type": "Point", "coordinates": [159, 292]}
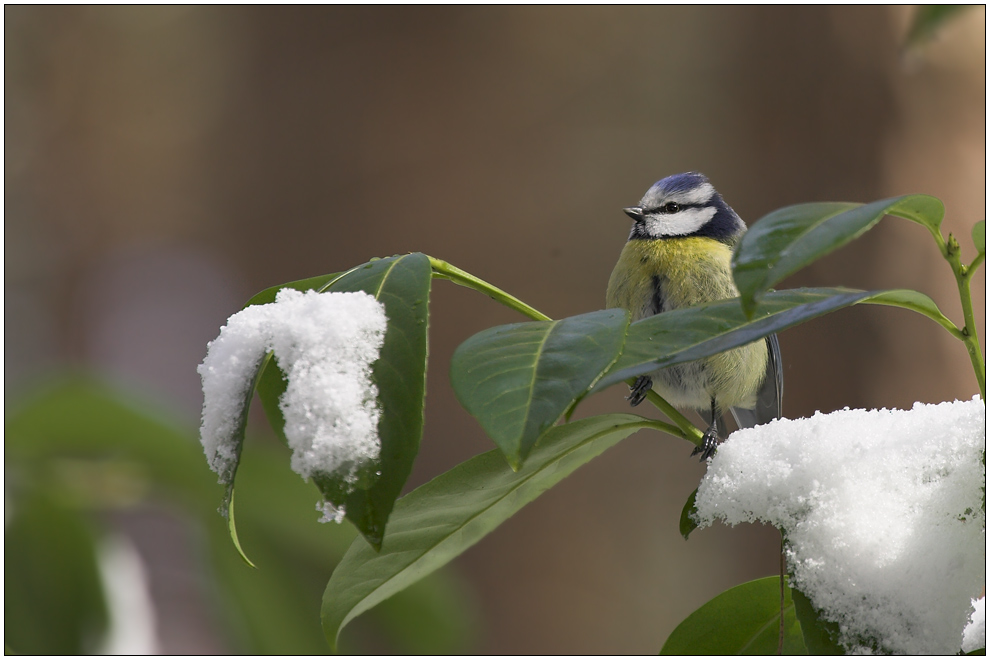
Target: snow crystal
{"type": "Point", "coordinates": [975, 634]}
{"type": "Point", "coordinates": [882, 511]}
{"type": "Point", "coordinates": [330, 512]}
{"type": "Point", "coordinates": [325, 343]}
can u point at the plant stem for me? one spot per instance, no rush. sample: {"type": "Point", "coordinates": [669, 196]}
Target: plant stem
{"type": "Point", "coordinates": [457, 276]}
{"type": "Point", "coordinates": [685, 429]}
{"type": "Point", "coordinates": [780, 633]}
{"type": "Point", "coordinates": [689, 431]}
{"type": "Point", "coordinates": [669, 429]}
{"type": "Point", "coordinates": [963, 274]}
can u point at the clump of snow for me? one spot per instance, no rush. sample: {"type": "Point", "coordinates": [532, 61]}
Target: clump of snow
{"type": "Point", "coordinates": [325, 343]}
{"type": "Point", "coordinates": [975, 634]}
{"type": "Point", "coordinates": [882, 512]}
{"type": "Point", "coordinates": [330, 512]}
{"type": "Point", "coordinates": [227, 372]}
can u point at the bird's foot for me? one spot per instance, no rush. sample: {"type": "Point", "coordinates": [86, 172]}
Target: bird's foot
{"type": "Point", "coordinates": [638, 390]}
{"type": "Point", "coordinates": [709, 444]}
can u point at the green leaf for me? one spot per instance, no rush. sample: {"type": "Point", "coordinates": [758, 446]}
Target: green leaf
{"type": "Point", "coordinates": [519, 379]}
{"type": "Point", "coordinates": [443, 518]}
{"type": "Point", "coordinates": [402, 284]}
{"type": "Point", "coordinates": [745, 620]}
{"type": "Point", "coordinates": [271, 386]}
{"type": "Point", "coordinates": [688, 524]}
{"type": "Point", "coordinates": [227, 507]}
{"type": "Point", "coordinates": [785, 241]}
{"type": "Point", "coordinates": [928, 19]}
{"type": "Point", "coordinates": [982, 651]}
{"type": "Point", "coordinates": [78, 416]}
{"type": "Point", "coordinates": [232, 528]}
{"type": "Point", "coordinates": [691, 333]}
{"type": "Point", "coordinates": [434, 616]}
{"type": "Point", "coordinates": [318, 283]}
{"type": "Point", "coordinates": [915, 301]}
{"type": "Point", "coordinates": [54, 603]}
{"type": "Point", "coordinates": [820, 636]}
{"type": "Point", "coordinates": [980, 236]}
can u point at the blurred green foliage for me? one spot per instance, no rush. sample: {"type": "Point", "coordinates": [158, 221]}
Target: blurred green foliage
{"type": "Point", "coordinates": [80, 448]}
{"type": "Point", "coordinates": [928, 19]}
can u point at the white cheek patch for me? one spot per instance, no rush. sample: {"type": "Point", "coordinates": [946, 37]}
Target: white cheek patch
{"type": "Point", "coordinates": [698, 195]}
{"type": "Point", "coordinates": [681, 223]}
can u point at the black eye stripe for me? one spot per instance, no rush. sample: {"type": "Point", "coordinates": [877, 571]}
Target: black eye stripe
{"type": "Point", "coordinates": [662, 210]}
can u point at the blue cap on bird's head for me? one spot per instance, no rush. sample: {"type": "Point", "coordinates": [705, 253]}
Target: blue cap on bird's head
{"type": "Point", "coordinates": [683, 183]}
{"type": "Point", "coordinates": [683, 205]}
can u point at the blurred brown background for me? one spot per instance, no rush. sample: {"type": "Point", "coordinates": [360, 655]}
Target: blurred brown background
{"type": "Point", "coordinates": [163, 164]}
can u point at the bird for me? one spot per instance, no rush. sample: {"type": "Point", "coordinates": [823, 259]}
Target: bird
{"type": "Point", "coordinates": [678, 255]}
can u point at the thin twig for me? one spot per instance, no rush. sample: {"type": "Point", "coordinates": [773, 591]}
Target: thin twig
{"type": "Point", "coordinates": [780, 639]}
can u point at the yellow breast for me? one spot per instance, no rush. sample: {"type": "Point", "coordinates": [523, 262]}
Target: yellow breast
{"type": "Point", "coordinates": [689, 271]}
{"type": "Point", "coordinates": [661, 275]}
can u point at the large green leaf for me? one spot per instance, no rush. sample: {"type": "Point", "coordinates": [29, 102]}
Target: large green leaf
{"type": "Point", "coordinates": [402, 284]}
{"type": "Point", "coordinates": [519, 379]}
{"type": "Point", "coordinates": [443, 518]}
{"type": "Point", "coordinates": [820, 636]}
{"type": "Point", "coordinates": [745, 620]}
{"type": "Point", "coordinates": [688, 334]}
{"type": "Point", "coordinates": [785, 241]}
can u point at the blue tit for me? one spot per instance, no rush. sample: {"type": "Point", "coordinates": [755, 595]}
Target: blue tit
{"type": "Point", "coordinates": [678, 255]}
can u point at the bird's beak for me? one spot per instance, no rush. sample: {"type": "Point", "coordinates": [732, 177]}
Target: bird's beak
{"type": "Point", "coordinates": [634, 212]}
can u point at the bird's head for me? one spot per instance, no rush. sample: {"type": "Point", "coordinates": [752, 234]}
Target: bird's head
{"type": "Point", "coordinates": [684, 205]}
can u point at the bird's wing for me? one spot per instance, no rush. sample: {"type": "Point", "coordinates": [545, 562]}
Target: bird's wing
{"type": "Point", "coordinates": [768, 399]}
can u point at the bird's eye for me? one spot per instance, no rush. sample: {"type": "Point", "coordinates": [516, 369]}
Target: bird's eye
{"type": "Point", "coordinates": [671, 207]}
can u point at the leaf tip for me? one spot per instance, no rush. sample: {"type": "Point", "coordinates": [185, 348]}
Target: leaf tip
{"type": "Point", "coordinates": [232, 528]}
{"type": "Point", "coordinates": [371, 533]}
{"type": "Point", "coordinates": [687, 523]}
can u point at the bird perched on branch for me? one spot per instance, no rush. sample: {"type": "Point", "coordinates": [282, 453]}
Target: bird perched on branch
{"type": "Point", "coordinates": [678, 255]}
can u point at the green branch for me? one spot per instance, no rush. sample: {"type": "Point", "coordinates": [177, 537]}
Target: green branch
{"type": "Point", "coordinates": [447, 271]}
{"type": "Point", "coordinates": [686, 429]}
{"type": "Point", "coordinates": [664, 427]}
{"type": "Point", "coordinates": [963, 274]}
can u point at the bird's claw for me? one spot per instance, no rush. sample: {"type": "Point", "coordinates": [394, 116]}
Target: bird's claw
{"type": "Point", "coordinates": [709, 444]}
{"type": "Point", "coordinates": [638, 390]}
